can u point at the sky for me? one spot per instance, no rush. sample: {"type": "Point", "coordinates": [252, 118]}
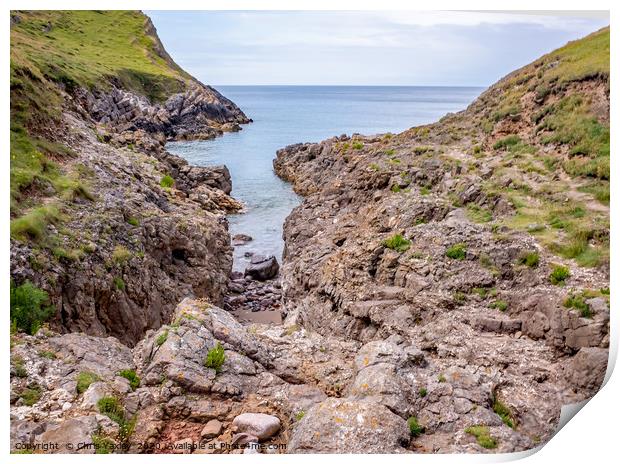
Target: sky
{"type": "Point", "coordinates": [443, 48]}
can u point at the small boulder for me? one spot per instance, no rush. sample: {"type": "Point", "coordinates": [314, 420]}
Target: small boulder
{"type": "Point", "coordinates": [260, 425]}
{"type": "Point", "coordinates": [212, 429]}
{"type": "Point", "coordinates": [240, 239]}
{"type": "Point", "coordinates": [262, 268]}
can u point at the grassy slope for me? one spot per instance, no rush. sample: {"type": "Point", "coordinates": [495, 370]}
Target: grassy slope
{"type": "Point", "coordinates": [565, 136]}
{"type": "Point", "coordinates": [54, 49]}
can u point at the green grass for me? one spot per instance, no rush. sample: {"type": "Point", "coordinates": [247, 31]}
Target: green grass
{"type": "Point", "coordinates": [501, 305]}
{"type": "Point", "coordinates": [120, 254]}
{"type": "Point", "coordinates": [397, 242]}
{"type": "Point", "coordinates": [357, 145]}
{"type": "Point", "coordinates": [19, 367]}
{"type": "Point", "coordinates": [33, 224]}
{"type": "Point", "coordinates": [559, 274]}
{"type": "Point", "coordinates": [599, 190]}
{"type": "Point", "coordinates": [161, 338]}
{"type": "Point", "coordinates": [111, 406]}
{"type": "Point", "coordinates": [483, 436]}
{"type": "Point", "coordinates": [215, 358]}
{"type": "Point", "coordinates": [479, 214]}
{"type": "Point", "coordinates": [166, 181]}
{"type": "Point", "coordinates": [425, 190]}
{"type": "Point", "coordinates": [415, 429]}
{"type": "Point", "coordinates": [84, 380]}
{"type": "Point", "coordinates": [29, 307]}
{"type": "Point", "coordinates": [578, 302]}
{"type": "Point", "coordinates": [30, 395]}
{"type": "Point", "coordinates": [503, 411]}
{"type": "Point", "coordinates": [529, 259]}
{"type": "Point", "coordinates": [300, 415]}
{"type": "Point", "coordinates": [103, 445]}
{"type": "Point", "coordinates": [422, 392]}
{"type": "Point", "coordinates": [507, 142]}
{"type": "Point", "coordinates": [119, 283]}
{"type": "Point", "coordinates": [133, 221]}
{"type": "Point", "coordinates": [130, 374]}
{"type": "Point", "coordinates": [47, 354]}
{"type": "Point", "coordinates": [457, 251]}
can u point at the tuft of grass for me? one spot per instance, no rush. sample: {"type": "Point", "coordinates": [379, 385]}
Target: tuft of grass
{"type": "Point", "coordinates": [530, 259]}
{"type": "Point", "coordinates": [29, 307]}
{"type": "Point", "coordinates": [33, 224]}
{"type": "Point", "coordinates": [166, 181]}
{"type": "Point", "coordinates": [19, 367]}
{"type": "Point", "coordinates": [483, 436]}
{"type": "Point", "coordinates": [121, 255]}
{"type": "Point", "coordinates": [215, 358]}
{"type": "Point", "coordinates": [479, 214]}
{"type": "Point", "coordinates": [507, 142]}
{"type": "Point", "coordinates": [422, 392]}
{"type": "Point", "coordinates": [503, 411]}
{"type": "Point", "coordinates": [457, 251]}
{"type": "Point", "coordinates": [441, 378]}
{"type": "Point", "coordinates": [119, 283]}
{"type": "Point", "coordinates": [559, 274]}
{"type": "Point", "coordinates": [30, 395]}
{"type": "Point", "coordinates": [133, 221]}
{"type": "Point", "coordinates": [500, 305]}
{"type": "Point", "coordinates": [84, 380]}
{"type": "Point", "coordinates": [357, 145]}
{"type": "Point", "coordinates": [300, 415]}
{"type": "Point", "coordinates": [415, 429]}
{"type": "Point", "coordinates": [111, 406]}
{"type": "Point", "coordinates": [397, 242]}
{"type": "Point", "coordinates": [161, 339]}
{"type": "Point", "coordinates": [47, 354]}
{"type": "Point", "coordinates": [130, 374]}
{"type": "Point", "coordinates": [578, 302]}
{"type": "Point", "coordinates": [425, 191]}
{"type": "Point", "coordinates": [103, 445]}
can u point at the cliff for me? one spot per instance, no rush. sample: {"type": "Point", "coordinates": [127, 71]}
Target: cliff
{"type": "Point", "coordinates": [115, 229]}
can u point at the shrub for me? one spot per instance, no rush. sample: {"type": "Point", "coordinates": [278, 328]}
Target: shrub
{"type": "Point", "coordinates": [422, 392]}
{"type": "Point", "coordinates": [530, 259]}
{"type": "Point", "coordinates": [457, 251]}
{"type": "Point", "coordinates": [119, 283]}
{"type": "Point", "coordinates": [30, 396]}
{"type": "Point", "coordinates": [504, 412]}
{"type": "Point", "coordinates": [578, 302]}
{"type": "Point", "coordinates": [357, 145]}
{"type": "Point", "coordinates": [483, 436]}
{"type": "Point", "coordinates": [166, 181]}
{"type": "Point", "coordinates": [29, 307]}
{"type": "Point", "coordinates": [103, 445]}
{"type": "Point", "coordinates": [18, 367]}
{"type": "Point", "coordinates": [215, 357]}
{"type": "Point", "coordinates": [130, 374]}
{"type": "Point", "coordinates": [161, 339]}
{"type": "Point", "coordinates": [84, 379]}
{"type": "Point", "coordinates": [415, 429]}
{"type": "Point", "coordinates": [397, 242]}
{"type": "Point", "coordinates": [499, 304]}
{"type": "Point", "coordinates": [558, 275]}
{"type": "Point", "coordinates": [120, 254]}
{"type": "Point", "coordinates": [111, 407]}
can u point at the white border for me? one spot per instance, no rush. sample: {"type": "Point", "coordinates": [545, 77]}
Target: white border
{"type": "Point", "coordinates": [592, 436]}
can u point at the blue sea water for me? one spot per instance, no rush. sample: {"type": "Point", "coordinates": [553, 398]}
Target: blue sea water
{"type": "Point", "coordinates": [290, 114]}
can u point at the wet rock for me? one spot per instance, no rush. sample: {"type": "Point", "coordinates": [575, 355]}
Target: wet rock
{"type": "Point", "coordinates": [262, 267]}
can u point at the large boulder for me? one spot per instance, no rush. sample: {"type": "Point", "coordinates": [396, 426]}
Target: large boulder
{"type": "Point", "coordinates": [262, 267]}
{"type": "Point", "coordinates": [349, 426]}
{"type": "Point", "coordinates": [259, 425]}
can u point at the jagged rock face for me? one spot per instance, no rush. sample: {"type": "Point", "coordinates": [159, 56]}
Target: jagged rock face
{"type": "Point", "coordinates": [138, 248]}
{"type": "Point", "coordinates": [198, 113]}
{"type": "Point", "coordinates": [265, 373]}
{"type": "Point", "coordinates": [488, 328]}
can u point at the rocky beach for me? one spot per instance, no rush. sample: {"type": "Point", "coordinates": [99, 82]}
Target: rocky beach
{"type": "Point", "coordinates": [441, 290]}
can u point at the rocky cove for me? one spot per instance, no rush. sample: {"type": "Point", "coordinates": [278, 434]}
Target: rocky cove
{"type": "Point", "coordinates": [419, 315]}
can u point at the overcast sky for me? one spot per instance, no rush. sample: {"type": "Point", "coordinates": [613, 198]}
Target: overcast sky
{"type": "Point", "coordinates": [363, 48]}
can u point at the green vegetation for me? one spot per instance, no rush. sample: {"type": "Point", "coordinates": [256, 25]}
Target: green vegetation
{"type": "Point", "coordinates": [19, 367]}
{"type": "Point", "coordinates": [457, 251]}
{"type": "Point", "coordinates": [215, 358]}
{"type": "Point", "coordinates": [578, 302]}
{"type": "Point", "coordinates": [503, 411]}
{"type": "Point", "coordinates": [478, 214]}
{"type": "Point", "coordinates": [161, 339]}
{"type": "Point", "coordinates": [133, 221]}
{"type": "Point", "coordinates": [483, 436]}
{"type": "Point", "coordinates": [300, 415]}
{"type": "Point", "coordinates": [30, 395]}
{"type": "Point", "coordinates": [425, 190]}
{"type": "Point", "coordinates": [103, 445]}
{"type": "Point", "coordinates": [121, 255]}
{"type": "Point", "coordinates": [559, 274]}
{"type": "Point", "coordinates": [111, 407]}
{"type": "Point", "coordinates": [84, 380]}
{"type": "Point", "coordinates": [47, 354]}
{"type": "Point", "coordinates": [395, 188]}
{"type": "Point", "coordinates": [166, 181]}
{"type": "Point", "coordinates": [415, 429]}
{"type": "Point", "coordinates": [500, 305]}
{"type": "Point", "coordinates": [130, 374]}
{"type": "Point", "coordinates": [422, 392]}
{"type": "Point", "coordinates": [507, 142]}
{"type": "Point", "coordinates": [357, 145]}
{"type": "Point", "coordinates": [119, 283]}
{"type": "Point", "coordinates": [529, 259]}
{"type": "Point", "coordinates": [441, 378]}
{"type": "Point", "coordinates": [29, 307]}
{"type": "Point", "coordinates": [397, 242]}
{"type": "Point", "coordinates": [33, 223]}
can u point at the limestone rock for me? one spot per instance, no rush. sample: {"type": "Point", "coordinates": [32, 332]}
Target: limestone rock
{"type": "Point", "coordinates": [260, 425]}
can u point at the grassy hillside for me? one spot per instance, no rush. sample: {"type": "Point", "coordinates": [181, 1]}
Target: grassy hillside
{"type": "Point", "coordinates": [54, 50]}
